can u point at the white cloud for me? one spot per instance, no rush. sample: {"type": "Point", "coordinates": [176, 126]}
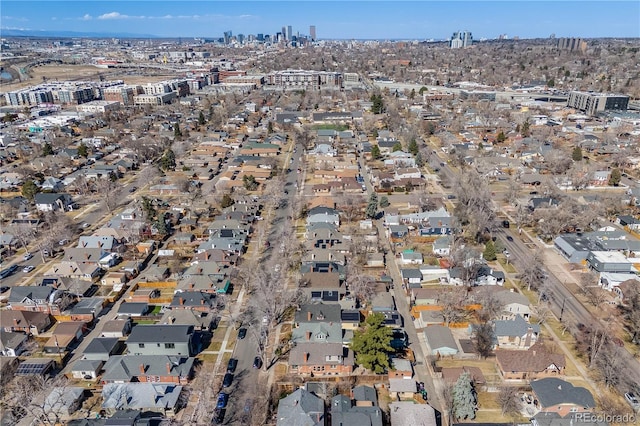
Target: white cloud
{"type": "Point", "coordinates": [113, 15]}
{"type": "Point", "coordinates": [86, 17]}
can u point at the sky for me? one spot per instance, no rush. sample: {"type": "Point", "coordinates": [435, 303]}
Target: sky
{"type": "Point", "coordinates": [334, 19]}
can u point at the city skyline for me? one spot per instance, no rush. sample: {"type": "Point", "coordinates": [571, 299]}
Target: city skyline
{"type": "Point", "coordinates": [345, 20]}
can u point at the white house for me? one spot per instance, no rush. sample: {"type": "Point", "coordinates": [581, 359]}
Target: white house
{"type": "Point", "coordinates": [410, 257]}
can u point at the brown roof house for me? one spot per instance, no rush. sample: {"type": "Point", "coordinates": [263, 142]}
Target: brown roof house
{"type": "Point", "coordinates": [321, 359]}
{"type": "Point", "coordinates": [535, 363]}
{"type": "Point", "coordinates": [25, 321]}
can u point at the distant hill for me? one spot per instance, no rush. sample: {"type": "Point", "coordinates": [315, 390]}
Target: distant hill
{"type": "Point", "coordinates": [68, 34]}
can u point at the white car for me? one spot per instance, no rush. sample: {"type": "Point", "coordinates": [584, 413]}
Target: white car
{"type": "Point", "coordinates": [28, 269]}
{"type": "Point", "coordinates": [27, 256]}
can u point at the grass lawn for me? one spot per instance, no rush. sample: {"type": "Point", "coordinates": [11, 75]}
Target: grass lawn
{"type": "Point", "coordinates": [225, 358]}
{"type": "Point", "coordinates": [156, 310]}
{"type": "Point", "coordinates": [280, 369]}
{"type": "Point", "coordinates": [495, 416]}
{"type": "Point", "coordinates": [487, 366]}
{"type": "Point", "coordinates": [508, 267]}
{"type": "Point", "coordinates": [146, 322]}
{"type": "Point", "coordinates": [207, 357]}
{"type": "Point", "coordinates": [232, 340]}
{"type": "Point", "coordinates": [487, 401]}
{"type": "Point", "coordinates": [214, 346]}
{"type": "Point", "coordinates": [219, 334]}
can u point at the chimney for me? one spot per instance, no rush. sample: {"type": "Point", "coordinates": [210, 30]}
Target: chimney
{"type": "Point", "coordinates": [16, 321]}
{"type": "Point", "coordinates": [181, 301]}
{"type": "Point", "coordinates": [202, 301]}
{"type": "Point", "coordinates": [306, 356]}
{"type": "Point", "coordinates": [168, 368]}
{"type": "Point", "coordinates": [309, 316]}
{"type": "Point", "coordinates": [142, 369]}
{"type": "Point", "coordinates": [308, 335]}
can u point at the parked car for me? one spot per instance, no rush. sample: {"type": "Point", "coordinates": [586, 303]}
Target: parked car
{"type": "Point", "coordinates": [509, 238]}
{"type": "Point", "coordinates": [257, 362]}
{"type": "Point", "coordinates": [28, 269]}
{"type": "Point", "coordinates": [133, 189]}
{"type": "Point", "coordinates": [227, 380]}
{"type": "Point", "coordinates": [63, 242]}
{"type": "Point", "coordinates": [27, 256]}
{"type": "Point", "coordinates": [4, 289]}
{"type": "Point", "coordinates": [223, 398]}
{"type": "Point", "coordinates": [232, 365]}
{"type": "Point", "coordinates": [242, 333]}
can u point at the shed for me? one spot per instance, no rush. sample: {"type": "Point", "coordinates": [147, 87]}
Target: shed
{"type": "Point", "coordinates": [440, 340]}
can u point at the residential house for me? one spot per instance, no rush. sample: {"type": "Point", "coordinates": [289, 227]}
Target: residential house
{"type": "Point", "coordinates": [52, 184]}
{"type": "Point", "coordinates": [450, 375]}
{"type": "Point", "coordinates": [513, 303]}
{"type": "Point", "coordinates": [488, 276]}
{"type": "Point", "coordinates": [160, 398]}
{"type": "Point", "coordinates": [440, 340]}
{"type": "Point", "coordinates": [86, 271]}
{"type": "Point", "coordinates": [43, 299]}
{"type": "Point", "coordinates": [561, 397]}
{"type": "Point", "coordinates": [162, 339]}
{"type": "Point", "coordinates": [301, 408]}
{"type": "Point", "coordinates": [132, 309]}
{"type": "Point", "coordinates": [12, 343]}
{"type": "Point", "coordinates": [360, 410]}
{"type": "Point", "coordinates": [317, 313]}
{"type": "Point", "coordinates": [24, 321]}
{"type": "Point", "coordinates": [323, 286]}
{"type": "Point", "coordinates": [51, 202]}
{"type": "Point", "coordinates": [199, 320]}
{"type": "Point", "coordinates": [194, 300]}
{"type": "Point", "coordinates": [411, 276]}
{"type": "Point", "coordinates": [442, 246]}
{"type": "Point", "coordinates": [106, 243]}
{"type": "Point", "coordinates": [318, 332]}
{"type": "Point", "coordinates": [400, 369]}
{"type": "Point", "coordinates": [148, 368]}
{"type": "Point", "coordinates": [64, 402]}
{"type": "Point", "coordinates": [516, 333]}
{"type": "Point", "coordinates": [535, 363]}
{"type": "Point", "coordinates": [329, 359]}
{"type": "Point", "coordinates": [65, 336]}
{"type": "Point", "coordinates": [36, 367]}
{"type": "Point", "coordinates": [409, 413]}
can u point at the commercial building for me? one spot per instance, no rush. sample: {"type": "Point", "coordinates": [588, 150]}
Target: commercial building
{"type": "Point", "coordinates": [312, 32]}
{"type": "Point", "coordinates": [98, 106]}
{"type": "Point", "coordinates": [461, 39]}
{"type": "Point", "coordinates": [595, 103]}
{"type": "Point", "coordinates": [572, 44]}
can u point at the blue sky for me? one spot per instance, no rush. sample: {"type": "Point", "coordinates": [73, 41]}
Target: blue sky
{"type": "Point", "coordinates": [416, 19]}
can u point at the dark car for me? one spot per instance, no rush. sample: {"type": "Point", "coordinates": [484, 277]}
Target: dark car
{"type": "Point", "coordinates": [232, 365]}
{"type": "Point", "coordinates": [228, 379]}
{"type": "Point", "coordinates": [257, 362]}
{"type": "Point", "coordinates": [242, 333]}
{"type": "Point", "coordinates": [218, 416]}
{"type": "Point", "coordinates": [4, 288]}
{"type": "Point", "coordinates": [509, 238]}
{"type": "Point", "coordinates": [133, 189]}
{"type": "Point", "coordinates": [223, 398]}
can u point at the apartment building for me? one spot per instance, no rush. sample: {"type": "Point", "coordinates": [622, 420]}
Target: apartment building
{"type": "Point", "coordinates": [594, 103]}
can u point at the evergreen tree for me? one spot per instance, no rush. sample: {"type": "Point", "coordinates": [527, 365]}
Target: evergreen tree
{"type": "Point", "coordinates": [526, 128]}
{"type": "Point", "coordinates": [413, 147]}
{"type": "Point", "coordinates": [397, 147]}
{"type": "Point", "coordinates": [378, 104]}
{"type": "Point", "coordinates": [47, 149]}
{"type": "Point", "coordinates": [464, 401]}
{"type": "Point", "coordinates": [375, 152]}
{"type": "Point", "coordinates": [148, 208]}
{"type": "Point", "coordinates": [270, 127]}
{"type": "Point", "coordinates": [83, 151]}
{"type": "Point", "coordinates": [576, 155]}
{"type": "Point", "coordinates": [384, 202]}
{"type": "Point", "coordinates": [489, 251]}
{"type": "Point", "coordinates": [29, 189]}
{"type": "Point", "coordinates": [372, 344]}
{"type": "Point", "coordinates": [201, 119]}
{"type": "Point", "coordinates": [419, 160]}
{"type": "Point", "coordinates": [168, 160]}
{"type": "Point", "coordinates": [161, 226]}
{"type": "Point", "coordinates": [615, 178]}
{"type": "Point", "coordinates": [422, 90]}
{"type": "Point", "coordinates": [501, 137]}
{"type": "Point", "coordinates": [227, 201]}
{"type": "Point", "coordinates": [412, 95]}
{"type": "Point", "coordinates": [372, 206]}
{"type": "Point", "coordinates": [177, 133]}
{"type": "Point", "coordinates": [249, 182]}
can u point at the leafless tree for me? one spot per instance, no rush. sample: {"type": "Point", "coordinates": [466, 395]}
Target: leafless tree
{"type": "Point", "coordinates": [109, 191]}
{"type": "Point", "coordinates": [359, 284]}
{"type": "Point", "coordinates": [491, 306]}
{"type": "Point", "coordinates": [204, 385]}
{"type": "Point", "coordinates": [27, 395]}
{"type": "Point", "coordinates": [609, 363]}
{"type": "Point", "coordinates": [508, 400]}
{"type": "Point", "coordinates": [533, 274]}
{"type": "Point", "coordinates": [453, 303]}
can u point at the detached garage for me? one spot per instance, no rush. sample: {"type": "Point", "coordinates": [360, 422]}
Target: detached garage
{"type": "Point", "coordinates": [440, 341]}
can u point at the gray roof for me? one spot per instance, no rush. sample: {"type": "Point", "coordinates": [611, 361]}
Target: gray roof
{"type": "Point", "coordinates": [60, 399]}
{"type": "Point", "coordinates": [125, 367]}
{"type": "Point", "coordinates": [551, 391]}
{"type": "Point", "coordinates": [301, 408]}
{"type": "Point", "coordinates": [320, 312]}
{"type": "Point", "coordinates": [11, 340]}
{"type": "Point", "coordinates": [365, 393]}
{"type": "Point", "coordinates": [102, 345]}
{"type": "Point", "coordinates": [407, 413]}
{"type": "Point", "coordinates": [193, 298]}
{"type": "Point", "coordinates": [516, 327]}
{"type": "Point", "coordinates": [160, 333]}
{"type": "Point", "coordinates": [133, 308]}
{"type": "Point", "coordinates": [105, 242]}
{"type": "Point", "coordinates": [411, 273]}
{"type": "Point", "coordinates": [87, 365]}
{"type": "Point", "coordinates": [318, 332]}
{"type": "Point", "coordinates": [140, 396]}
{"type": "Point", "coordinates": [439, 336]}
{"type": "Point", "coordinates": [20, 293]}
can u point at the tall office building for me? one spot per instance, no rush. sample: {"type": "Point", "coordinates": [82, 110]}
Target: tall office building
{"type": "Point", "coordinates": [312, 32]}
{"type": "Point", "coordinates": [289, 33]}
{"type": "Point", "coordinates": [572, 44]}
{"type": "Point", "coordinates": [284, 32]}
{"type": "Point", "coordinates": [227, 37]}
{"type": "Point", "coordinates": [461, 39]}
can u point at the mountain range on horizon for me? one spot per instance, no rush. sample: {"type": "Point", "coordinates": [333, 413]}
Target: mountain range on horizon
{"type": "Point", "coordinates": [4, 32]}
